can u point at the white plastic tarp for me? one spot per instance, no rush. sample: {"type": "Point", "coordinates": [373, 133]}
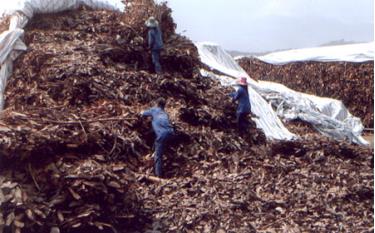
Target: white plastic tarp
{"type": "Point", "coordinates": [21, 12]}
{"type": "Point", "coordinates": [328, 116]}
{"type": "Point", "coordinates": [213, 55]}
{"type": "Point", "coordinates": [349, 53]}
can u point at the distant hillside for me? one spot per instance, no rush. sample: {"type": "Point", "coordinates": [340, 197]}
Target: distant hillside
{"type": "Point", "coordinates": [247, 54]}
{"type": "Point", "coordinates": [340, 42]}
{"type": "Point", "coordinates": [235, 53]}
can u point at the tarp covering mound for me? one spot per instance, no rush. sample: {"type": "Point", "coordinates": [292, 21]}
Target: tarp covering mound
{"type": "Point", "coordinates": [339, 53]}
{"type": "Point", "coordinates": [350, 82]}
{"type": "Point", "coordinates": [75, 155]}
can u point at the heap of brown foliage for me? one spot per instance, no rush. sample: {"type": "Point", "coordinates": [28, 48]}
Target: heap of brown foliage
{"type": "Point", "coordinates": [75, 154]}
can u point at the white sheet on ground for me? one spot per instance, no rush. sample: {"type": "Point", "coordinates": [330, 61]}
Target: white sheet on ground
{"type": "Point", "coordinates": [21, 12]}
{"type": "Point", "coordinates": [328, 116]}
{"type": "Point", "coordinates": [349, 53]}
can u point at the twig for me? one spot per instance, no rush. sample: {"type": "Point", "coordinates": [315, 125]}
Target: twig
{"type": "Point", "coordinates": [154, 179]}
{"type": "Point", "coordinates": [274, 222]}
{"type": "Point", "coordinates": [114, 146]}
{"type": "Point", "coordinates": [84, 131]}
{"type": "Point", "coordinates": [130, 27]}
{"type": "Point", "coordinates": [33, 177]}
{"type": "Point", "coordinates": [148, 177]}
{"type": "Point", "coordinates": [87, 121]}
{"type": "Point", "coordinates": [83, 177]}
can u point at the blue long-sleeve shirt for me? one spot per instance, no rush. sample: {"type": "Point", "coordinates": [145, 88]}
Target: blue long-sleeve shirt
{"type": "Point", "coordinates": [160, 120]}
{"type": "Point", "coordinates": [243, 100]}
{"type": "Point", "coordinates": [155, 40]}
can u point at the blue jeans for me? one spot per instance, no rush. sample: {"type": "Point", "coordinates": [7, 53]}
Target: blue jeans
{"type": "Point", "coordinates": [160, 143]}
{"type": "Point", "coordinates": [242, 121]}
{"type": "Point", "coordinates": [155, 53]}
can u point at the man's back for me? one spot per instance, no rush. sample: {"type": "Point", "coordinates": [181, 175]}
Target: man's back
{"type": "Point", "coordinates": [243, 100]}
{"type": "Point", "coordinates": [160, 120]}
{"type": "Point", "coordinates": [155, 38]}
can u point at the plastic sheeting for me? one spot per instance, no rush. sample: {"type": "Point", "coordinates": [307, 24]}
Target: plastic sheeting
{"type": "Point", "coordinates": [349, 53]}
{"type": "Point", "coordinates": [328, 116]}
{"type": "Point", "coordinates": [11, 40]}
{"type": "Point", "coordinates": [215, 57]}
{"type": "Point", "coordinates": [10, 48]}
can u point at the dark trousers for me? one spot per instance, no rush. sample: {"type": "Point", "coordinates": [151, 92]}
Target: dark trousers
{"type": "Point", "coordinates": [160, 144]}
{"type": "Point", "coordinates": [242, 121]}
{"type": "Point", "coordinates": [155, 53]}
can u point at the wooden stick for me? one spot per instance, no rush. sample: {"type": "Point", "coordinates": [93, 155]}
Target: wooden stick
{"type": "Point", "coordinates": [148, 177]}
{"type": "Point", "coordinates": [84, 131]}
{"type": "Point", "coordinates": [154, 179]}
{"type": "Point", "coordinates": [113, 147]}
{"type": "Point", "coordinates": [87, 121]}
{"type": "Point", "coordinates": [33, 178]}
{"type": "Point", "coordinates": [83, 177]}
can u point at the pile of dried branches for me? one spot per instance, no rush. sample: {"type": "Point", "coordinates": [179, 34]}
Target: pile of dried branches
{"type": "Point", "coordinates": [271, 190]}
{"type": "Point", "coordinates": [76, 137]}
{"type": "Point", "coordinates": [353, 83]}
{"type": "Point", "coordinates": [75, 153]}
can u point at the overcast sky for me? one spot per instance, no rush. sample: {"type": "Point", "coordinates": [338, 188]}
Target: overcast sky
{"type": "Point", "coordinates": [265, 25]}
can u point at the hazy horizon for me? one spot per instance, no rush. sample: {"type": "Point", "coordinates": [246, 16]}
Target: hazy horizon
{"type": "Point", "coordinates": [267, 25]}
{"type": "Point", "coordinates": [261, 26]}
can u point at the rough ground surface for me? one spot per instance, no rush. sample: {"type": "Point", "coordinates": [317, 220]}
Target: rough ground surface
{"type": "Point", "coordinates": [370, 138]}
{"type": "Point", "coordinates": [353, 83]}
{"type": "Point", "coordinates": [74, 150]}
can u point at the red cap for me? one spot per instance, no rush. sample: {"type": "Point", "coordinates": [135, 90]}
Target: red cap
{"type": "Point", "coordinates": [242, 81]}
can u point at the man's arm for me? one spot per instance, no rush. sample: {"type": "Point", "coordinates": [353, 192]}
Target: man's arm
{"type": "Point", "coordinates": [148, 112]}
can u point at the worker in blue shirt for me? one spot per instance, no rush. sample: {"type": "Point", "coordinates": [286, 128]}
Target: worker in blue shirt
{"type": "Point", "coordinates": [244, 107]}
{"type": "Point", "coordinates": [163, 130]}
{"type": "Point", "coordinates": [155, 42]}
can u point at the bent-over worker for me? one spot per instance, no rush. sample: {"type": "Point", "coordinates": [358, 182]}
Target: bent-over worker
{"type": "Point", "coordinates": [244, 107]}
{"type": "Point", "coordinates": [163, 130]}
{"type": "Point", "coordinates": [155, 42]}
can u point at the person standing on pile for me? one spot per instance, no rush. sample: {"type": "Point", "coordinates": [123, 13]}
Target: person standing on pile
{"type": "Point", "coordinates": [163, 130]}
{"type": "Point", "coordinates": [244, 107]}
{"type": "Point", "coordinates": [155, 42]}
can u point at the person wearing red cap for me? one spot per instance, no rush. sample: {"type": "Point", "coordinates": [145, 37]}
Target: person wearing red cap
{"type": "Point", "coordinates": [244, 107]}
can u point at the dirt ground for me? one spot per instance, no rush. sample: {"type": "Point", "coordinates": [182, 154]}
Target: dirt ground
{"type": "Point", "coordinates": [370, 138]}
